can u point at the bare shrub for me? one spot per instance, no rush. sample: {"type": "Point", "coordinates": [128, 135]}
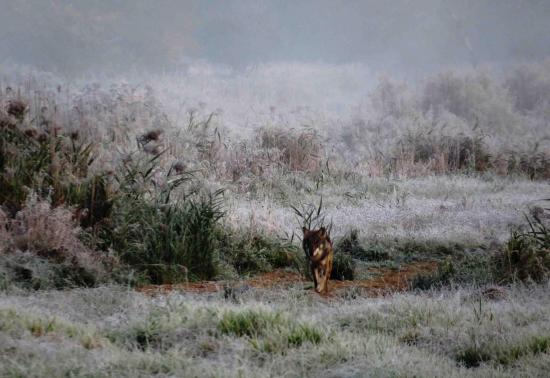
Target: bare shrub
{"type": "Point", "coordinates": [17, 108]}
{"type": "Point", "coordinates": [474, 97]}
{"type": "Point", "coordinates": [51, 233]}
{"type": "Point", "coordinates": [198, 145]}
{"type": "Point", "coordinates": [526, 256]}
{"type": "Point", "coordinates": [294, 150]}
{"type": "Point", "coordinates": [444, 153]}
{"type": "Point", "coordinates": [534, 164]}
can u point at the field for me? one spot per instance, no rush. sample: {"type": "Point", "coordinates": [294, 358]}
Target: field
{"type": "Point", "coordinates": [113, 331]}
{"type": "Point", "coordinates": [152, 227]}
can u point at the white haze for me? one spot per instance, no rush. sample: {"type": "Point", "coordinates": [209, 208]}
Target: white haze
{"type": "Point", "coordinates": [403, 37]}
{"type": "Point", "coordinates": [256, 63]}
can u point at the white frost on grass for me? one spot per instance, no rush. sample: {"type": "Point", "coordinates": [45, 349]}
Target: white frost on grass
{"type": "Point", "coordinates": [405, 334]}
{"type": "Point", "coordinates": [452, 208]}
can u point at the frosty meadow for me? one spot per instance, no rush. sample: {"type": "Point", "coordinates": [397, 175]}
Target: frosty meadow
{"type": "Point", "coordinates": [337, 191]}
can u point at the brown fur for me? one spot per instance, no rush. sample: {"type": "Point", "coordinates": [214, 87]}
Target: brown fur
{"type": "Point", "coordinates": [318, 249]}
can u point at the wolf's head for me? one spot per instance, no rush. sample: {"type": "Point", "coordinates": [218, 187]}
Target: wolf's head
{"type": "Point", "coordinates": [315, 242]}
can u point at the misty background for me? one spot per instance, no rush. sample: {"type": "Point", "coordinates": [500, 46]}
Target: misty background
{"type": "Point", "coordinates": [370, 67]}
{"type": "Point", "coordinates": [403, 37]}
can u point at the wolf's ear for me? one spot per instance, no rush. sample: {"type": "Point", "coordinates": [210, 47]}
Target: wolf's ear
{"type": "Point", "coordinates": [304, 230]}
{"type": "Point", "coordinates": [323, 231]}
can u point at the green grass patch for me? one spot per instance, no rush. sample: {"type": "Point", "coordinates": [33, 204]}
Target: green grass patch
{"type": "Point", "coordinates": [526, 256]}
{"type": "Point", "coordinates": [385, 249]}
{"type": "Point", "coordinates": [252, 252]}
{"type": "Point", "coordinates": [269, 332]}
{"type": "Point", "coordinates": [19, 324]}
{"type": "Point", "coordinates": [304, 333]}
{"type": "Point", "coordinates": [502, 354]}
{"type": "Point", "coordinates": [343, 267]}
{"type": "Point", "coordinates": [163, 328]}
{"type": "Point", "coordinates": [250, 323]}
{"type": "Point", "coordinates": [464, 269]}
{"type": "Point", "coordinates": [352, 245]}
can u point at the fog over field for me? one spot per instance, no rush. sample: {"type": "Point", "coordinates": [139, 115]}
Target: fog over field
{"type": "Point", "coordinates": [401, 37]}
{"type": "Point", "coordinates": [254, 57]}
{"type": "Point", "coordinates": [159, 160]}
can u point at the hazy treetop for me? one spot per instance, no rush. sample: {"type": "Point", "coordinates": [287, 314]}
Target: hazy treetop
{"type": "Point", "coordinates": [400, 35]}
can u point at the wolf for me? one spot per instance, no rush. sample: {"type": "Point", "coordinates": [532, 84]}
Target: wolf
{"type": "Point", "coordinates": [320, 254]}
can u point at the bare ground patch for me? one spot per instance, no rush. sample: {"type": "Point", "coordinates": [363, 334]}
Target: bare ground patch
{"type": "Point", "coordinates": [382, 281]}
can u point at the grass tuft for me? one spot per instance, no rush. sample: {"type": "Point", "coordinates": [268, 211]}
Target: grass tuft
{"type": "Point", "coordinates": [503, 354]}
{"type": "Point", "coordinates": [304, 333]}
{"type": "Point", "coordinates": [269, 332]}
{"type": "Point", "coordinates": [526, 256]}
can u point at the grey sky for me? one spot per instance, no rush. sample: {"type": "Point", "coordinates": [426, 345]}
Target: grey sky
{"type": "Point", "coordinates": [397, 35]}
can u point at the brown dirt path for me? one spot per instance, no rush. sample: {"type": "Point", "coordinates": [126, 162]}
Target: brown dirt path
{"type": "Point", "coordinates": [383, 281]}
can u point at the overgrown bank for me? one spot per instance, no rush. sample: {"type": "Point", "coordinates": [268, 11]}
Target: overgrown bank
{"type": "Point", "coordinates": [64, 222]}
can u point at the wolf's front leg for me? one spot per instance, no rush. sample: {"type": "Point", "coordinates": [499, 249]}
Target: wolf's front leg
{"type": "Point", "coordinates": [319, 279]}
{"type": "Point", "coordinates": [324, 284]}
{"type": "Point", "coordinates": [314, 275]}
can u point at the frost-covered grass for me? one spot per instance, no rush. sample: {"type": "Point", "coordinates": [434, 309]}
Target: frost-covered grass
{"type": "Point", "coordinates": [470, 210]}
{"type": "Point", "coordinates": [112, 331]}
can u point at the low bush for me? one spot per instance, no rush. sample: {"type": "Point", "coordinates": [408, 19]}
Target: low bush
{"type": "Point", "coordinates": [502, 354]}
{"type": "Point", "coordinates": [406, 249]}
{"type": "Point", "coordinates": [467, 269]}
{"type": "Point", "coordinates": [445, 153]}
{"type": "Point", "coordinates": [129, 211]}
{"type": "Point", "coordinates": [167, 241]}
{"type": "Point", "coordinates": [164, 239]}
{"type": "Point", "coordinates": [28, 271]}
{"type": "Point", "coordinates": [350, 244]}
{"type": "Point", "coordinates": [250, 252]}
{"type": "Point", "coordinates": [43, 249]}
{"type": "Point", "coordinates": [421, 249]}
{"type": "Point", "coordinates": [292, 150]}
{"type": "Point", "coordinates": [343, 267]}
{"type": "Point", "coordinates": [526, 256]}
{"type": "Point", "coordinates": [533, 164]}
{"type": "Point", "coordinates": [49, 161]}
